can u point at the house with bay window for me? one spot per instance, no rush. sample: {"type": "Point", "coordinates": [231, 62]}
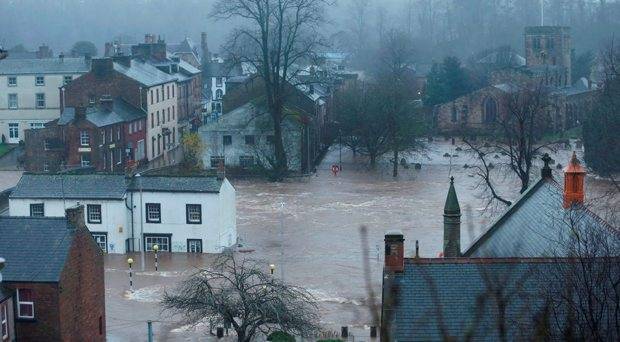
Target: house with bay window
{"type": "Point", "coordinates": [180, 214]}
{"type": "Point", "coordinates": [54, 283]}
{"type": "Point", "coordinates": [29, 92]}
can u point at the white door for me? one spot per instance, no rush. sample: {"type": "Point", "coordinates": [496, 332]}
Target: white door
{"type": "Point", "coordinates": [13, 133]}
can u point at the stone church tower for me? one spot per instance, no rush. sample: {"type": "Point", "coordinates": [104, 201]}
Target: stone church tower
{"type": "Point", "coordinates": [549, 46]}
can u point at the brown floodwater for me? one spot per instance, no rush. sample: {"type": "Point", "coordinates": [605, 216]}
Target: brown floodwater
{"type": "Point", "coordinates": [309, 228]}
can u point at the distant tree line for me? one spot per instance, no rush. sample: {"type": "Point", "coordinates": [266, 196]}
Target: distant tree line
{"type": "Point", "coordinates": [602, 124]}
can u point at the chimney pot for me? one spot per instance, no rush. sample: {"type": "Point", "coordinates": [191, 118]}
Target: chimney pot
{"type": "Point", "coordinates": [545, 172]}
{"type": "Point", "coordinates": [394, 251]}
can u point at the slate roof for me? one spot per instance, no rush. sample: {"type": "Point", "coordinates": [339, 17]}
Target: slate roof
{"type": "Point", "coordinates": [66, 116]}
{"type": "Point", "coordinates": [144, 73]}
{"type": "Point", "coordinates": [188, 68]}
{"type": "Point", "coordinates": [500, 57]}
{"type": "Point", "coordinates": [43, 259]}
{"type": "Point", "coordinates": [175, 184]}
{"type": "Point", "coordinates": [121, 112]}
{"type": "Point", "coordinates": [90, 186]}
{"type": "Point", "coordinates": [452, 296]}
{"type": "Point", "coordinates": [44, 66]}
{"type": "Point", "coordinates": [536, 225]}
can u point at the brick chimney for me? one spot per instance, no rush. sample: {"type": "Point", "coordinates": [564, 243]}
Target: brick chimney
{"type": "Point", "coordinates": [80, 112]}
{"type": "Point", "coordinates": [452, 224]}
{"type": "Point", "coordinates": [75, 216]}
{"type": "Point", "coordinates": [574, 182]}
{"type": "Point", "coordinates": [102, 66]}
{"type": "Point", "coordinates": [394, 251]}
{"type": "Point", "coordinates": [123, 60]}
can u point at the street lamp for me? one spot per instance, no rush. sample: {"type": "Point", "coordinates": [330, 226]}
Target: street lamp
{"type": "Point", "coordinates": [272, 268]}
{"type": "Point", "coordinates": [130, 262]}
{"type": "Point", "coordinates": [141, 244]}
{"type": "Point", "coordinates": [155, 248]}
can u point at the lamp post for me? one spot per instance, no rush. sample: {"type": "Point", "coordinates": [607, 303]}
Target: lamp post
{"type": "Point", "coordinates": [156, 249]}
{"type": "Point", "coordinates": [272, 268]}
{"type": "Point", "coordinates": [142, 209]}
{"type": "Point", "coordinates": [130, 262]}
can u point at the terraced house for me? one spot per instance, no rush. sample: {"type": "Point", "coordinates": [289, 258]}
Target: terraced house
{"type": "Point", "coordinates": [122, 113]}
{"type": "Point", "coordinates": [180, 214]}
{"type": "Point", "coordinates": [29, 92]}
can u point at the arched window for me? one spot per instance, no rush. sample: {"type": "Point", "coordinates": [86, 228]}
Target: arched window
{"type": "Point", "coordinates": [490, 110]}
{"type": "Point", "coordinates": [219, 94]}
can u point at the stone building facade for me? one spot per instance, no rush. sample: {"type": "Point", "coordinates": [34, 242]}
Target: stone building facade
{"type": "Point", "coordinates": [548, 65]}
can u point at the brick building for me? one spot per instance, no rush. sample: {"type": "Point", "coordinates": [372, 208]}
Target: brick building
{"type": "Point", "coordinates": [108, 136]}
{"type": "Point", "coordinates": [189, 79]}
{"type": "Point", "coordinates": [131, 113]}
{"type": "Point", "coordinates": [57, 281]}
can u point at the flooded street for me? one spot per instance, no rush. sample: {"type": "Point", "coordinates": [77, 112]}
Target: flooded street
{"type": "Point", "coordinates": [310, 229]}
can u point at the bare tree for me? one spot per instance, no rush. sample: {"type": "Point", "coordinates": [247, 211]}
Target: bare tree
{"type": "Point", "coordinates": [276, 36]}
{"type": "Point", "coordinates": [362, 129]}
{"type": "Point", "coordinates": [239, 293]}
{"type": "Point", "coordinates": [516, 135]}
{"type": "Point", "coordinates": [584, 282]}
{"type": "Point", "coordinates": [396, 91]}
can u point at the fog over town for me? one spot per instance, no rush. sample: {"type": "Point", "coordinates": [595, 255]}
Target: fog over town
{"type": "Point", "coordinates": [309, 170]}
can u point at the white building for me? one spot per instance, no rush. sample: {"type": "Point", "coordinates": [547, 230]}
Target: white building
{"type": "Point", "coordinates": [179, 214]}
{"type": "Point", "coordinates": [29, 92]}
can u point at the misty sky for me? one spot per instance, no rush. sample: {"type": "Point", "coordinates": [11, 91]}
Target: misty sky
{"type": "Point", "coordinates": [458, 27]}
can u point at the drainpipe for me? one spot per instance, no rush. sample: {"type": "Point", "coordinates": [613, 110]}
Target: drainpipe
{"type": "Point", "coordinates": [131, 210]}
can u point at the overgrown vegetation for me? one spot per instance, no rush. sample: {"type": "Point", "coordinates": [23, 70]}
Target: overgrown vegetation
{"type": "Point", "coordinates": [193, 149]}
{"type": "Point", "coordinates": [601, 125]}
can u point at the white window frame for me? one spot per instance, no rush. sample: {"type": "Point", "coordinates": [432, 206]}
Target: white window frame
{"type": "Point", "coordinates": [84, 162]}
{"type": "Point", "coordinates": [101, 239]}
{"type": "Point", "coordinates": [67, 79]}
{"type": "Point", "coordinates": [149, 241]}
{"type": "Point", "coordinates": [46, 167]}
{"type": "Point", "coordinates": [152, 215]}
{"type": "Point", "coordinates": [193, 244]}
{"type": "Point", "coordinates": [42, 211]}
{"type": "Point", "coordinates": [37, 125]}
{"type": "Point", "coordinates": [92, 209]}
{"type": "Point", "coordinates": [13, 130]}
{"type": "Point", "coordinates": [11, 104]}
{"type": "Point", "coordinates": [19, 307]}
{"type": "Point", "coordinates": [193, 213]}
{"type": "Point", "coordinates": [36, 80]}
{"type": "Point", "coordinates": [4, 322]}
{"type": "Point", "coordinates": [37, 99]}
{"type": "Point", "coordinates": [84, 138]}
{"type": "Point", "coordinates": [9, 83]}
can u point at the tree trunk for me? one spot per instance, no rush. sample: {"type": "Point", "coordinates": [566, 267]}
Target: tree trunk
{"type": "Point", "coordinates": [281, 163]}
{"type": "Point", "coordinates": [395, 164]}
{"type": "Point", "coordinates": [373, 160]}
